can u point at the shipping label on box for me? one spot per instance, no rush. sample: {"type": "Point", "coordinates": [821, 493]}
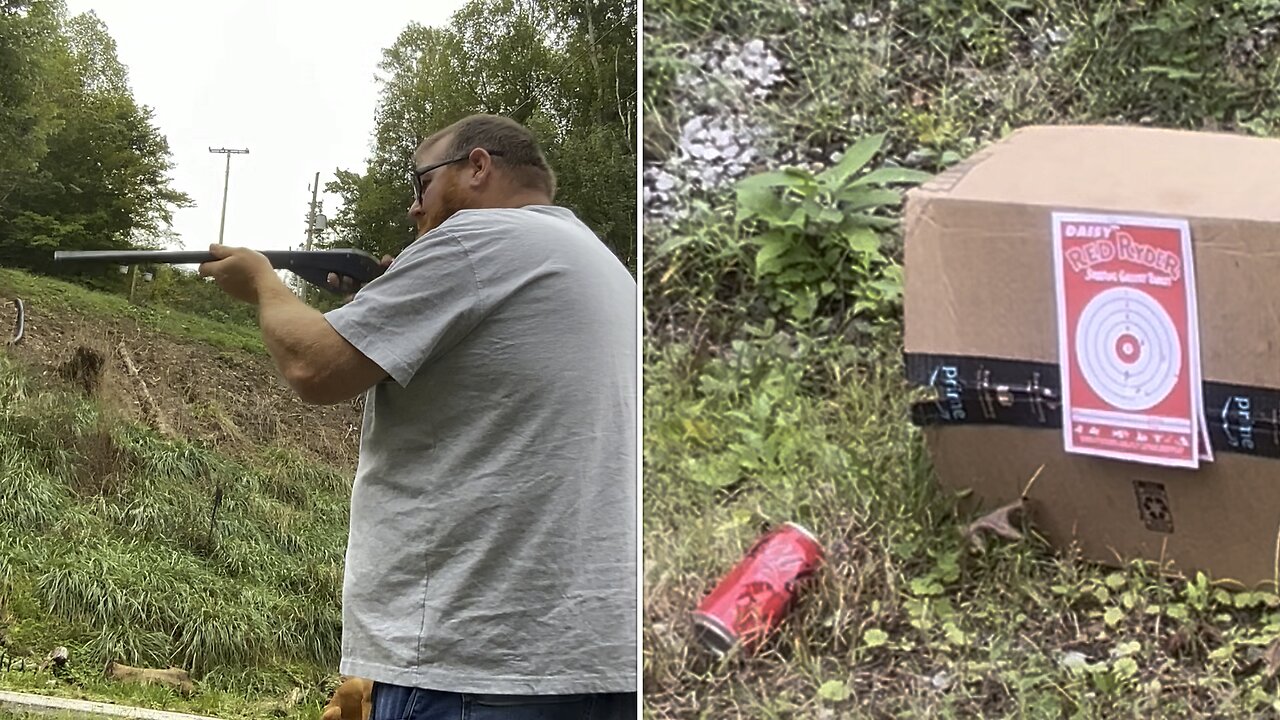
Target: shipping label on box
{"type": "Point", "coordinates": [1128, 339]}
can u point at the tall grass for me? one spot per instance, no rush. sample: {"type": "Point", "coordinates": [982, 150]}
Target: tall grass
{"type": "Point", "coordinates": [110, 543]}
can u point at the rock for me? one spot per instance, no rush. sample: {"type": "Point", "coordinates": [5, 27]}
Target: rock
{"type": "Point", "coordinates": [175, 678]}
{"type": "Point", "coordinates": [56, 659]}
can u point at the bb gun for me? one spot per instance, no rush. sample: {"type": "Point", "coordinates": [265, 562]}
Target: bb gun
{"type": "Point", "coordinates": [313, 266]}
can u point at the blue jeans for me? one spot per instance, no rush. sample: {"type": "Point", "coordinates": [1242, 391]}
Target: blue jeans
{"type": "Point", "coordinates": [395, 702]}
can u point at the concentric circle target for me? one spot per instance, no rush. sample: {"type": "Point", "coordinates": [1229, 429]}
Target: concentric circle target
{"type": "Point", "coordinates": [1128, 349]}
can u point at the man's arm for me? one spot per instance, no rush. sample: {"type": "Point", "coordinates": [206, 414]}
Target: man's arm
{"type": "Point", "coordinates": [317, 362]}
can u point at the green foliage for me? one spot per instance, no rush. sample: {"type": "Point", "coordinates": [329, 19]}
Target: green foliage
{"type": "Point", "coordinates": [667, 19]}
{"type": "Point", "coordinates": [821, 245]}
{"type": "Point", "coordinates": [373, 216]}
{"type": "Point", "coordinates": [699, 275]}
{"type": "Point", "coordinates": [565, 69]}
{"type": "Point", "coordinates": [834, 691]}
{"type": "Point", "coordinates": [783, 417]}
{"type": "Point", "coordinates": [27, 115]}
{"type": "Point", "coordinates": [90, 168]}
{"type": "Point", "coordinates": [187, 292]}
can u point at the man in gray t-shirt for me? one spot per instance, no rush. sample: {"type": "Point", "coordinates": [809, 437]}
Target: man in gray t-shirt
{"type": "Point", "coordinates": [491, 564]}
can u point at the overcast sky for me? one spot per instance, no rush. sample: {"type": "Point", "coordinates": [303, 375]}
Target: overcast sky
{"type": "Point", "coordinates": [292, 81]}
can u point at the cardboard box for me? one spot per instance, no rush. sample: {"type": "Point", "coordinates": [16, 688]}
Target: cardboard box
{"type": "Point", "coordinates": [981, 329]}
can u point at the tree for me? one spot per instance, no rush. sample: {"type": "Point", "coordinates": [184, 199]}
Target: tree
{"type": "Point", "coordinates": [565, 69]}
{"type": "Point", "coordinates": [98, 177]}
{"type": "Point", "coordinates": [29, 50]}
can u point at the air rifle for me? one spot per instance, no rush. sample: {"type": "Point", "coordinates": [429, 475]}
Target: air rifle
{"type": "Point", "coordinates": [313, 266]}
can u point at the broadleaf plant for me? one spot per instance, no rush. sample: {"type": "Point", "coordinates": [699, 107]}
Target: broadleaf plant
{"type": "Point", "coordinates": [820, 238]}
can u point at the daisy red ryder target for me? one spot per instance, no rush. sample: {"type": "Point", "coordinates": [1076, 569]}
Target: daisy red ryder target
{"type": "Point", "coordinates": [1129, 339]}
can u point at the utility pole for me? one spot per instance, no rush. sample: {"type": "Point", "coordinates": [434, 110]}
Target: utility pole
{"type": "Point", "coordinates": [226, 180]}
{"type": "Point", "coordinates": [311, 232]}
{"type": "Point", "coordinates": [311, 219]}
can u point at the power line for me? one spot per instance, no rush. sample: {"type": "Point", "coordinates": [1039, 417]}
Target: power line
{"type": "Point", "coordinates": [623, 100]}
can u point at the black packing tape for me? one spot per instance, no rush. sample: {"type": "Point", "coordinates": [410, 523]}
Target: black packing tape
{"type": "Point", "coordinates": [995, 391]}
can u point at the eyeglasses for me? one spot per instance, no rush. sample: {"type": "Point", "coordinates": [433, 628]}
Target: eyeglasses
{"type": "Point", "coordinates": [415, 176]}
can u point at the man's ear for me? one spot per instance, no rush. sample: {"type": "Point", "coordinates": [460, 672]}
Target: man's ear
{"type": "Point", "coordinates": [481, 166]}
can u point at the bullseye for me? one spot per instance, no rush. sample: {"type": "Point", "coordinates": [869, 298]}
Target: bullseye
{"type": "Point", "coordinates": [1128, 349]}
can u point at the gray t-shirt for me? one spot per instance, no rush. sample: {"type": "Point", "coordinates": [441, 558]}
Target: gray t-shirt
{"type": "Point", "coordinates": [493, 519]}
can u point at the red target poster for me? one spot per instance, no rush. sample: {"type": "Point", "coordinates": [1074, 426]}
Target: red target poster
{"type": "Point", "coordinates": [1128, 339]}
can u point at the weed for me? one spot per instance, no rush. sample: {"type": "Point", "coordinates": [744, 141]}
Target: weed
{"type": "Point", "coordinates": [821, 245]}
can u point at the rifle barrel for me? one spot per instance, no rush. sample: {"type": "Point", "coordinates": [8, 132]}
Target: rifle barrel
{"type": "Point", "coordinates": [314, 266]}
{"type": "Point", "coordinates": [132, 256]}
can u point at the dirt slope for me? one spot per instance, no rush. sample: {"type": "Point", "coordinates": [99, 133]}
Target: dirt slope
{"type": "Point", "coordinates": [230, 399]}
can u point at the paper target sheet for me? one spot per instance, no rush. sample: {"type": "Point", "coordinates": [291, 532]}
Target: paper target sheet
{"type": "Point", "coordinates": [1128, 339]}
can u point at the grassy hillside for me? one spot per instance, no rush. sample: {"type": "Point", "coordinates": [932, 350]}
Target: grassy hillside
{"type": "Point", "coordinates": [176, 325]}
{"type": "Point", "coordinates": [217, 548]}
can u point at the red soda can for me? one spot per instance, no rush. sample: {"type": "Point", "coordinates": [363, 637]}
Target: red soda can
{"type": "Point", "coordinates": [752, 599]}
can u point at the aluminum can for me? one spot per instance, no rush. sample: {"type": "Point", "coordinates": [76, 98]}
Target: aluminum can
{"type": "Point", "coordinates": [750, 602]}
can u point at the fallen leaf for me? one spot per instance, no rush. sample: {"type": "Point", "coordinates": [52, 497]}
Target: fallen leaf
{"type": "Point", "coordinates": [998, 522]}
{"type": "Point", "coordinates": [1272, 657]}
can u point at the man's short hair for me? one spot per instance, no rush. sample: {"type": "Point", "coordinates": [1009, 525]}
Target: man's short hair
{"type": "Point", "coordinates": [521, 155]}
